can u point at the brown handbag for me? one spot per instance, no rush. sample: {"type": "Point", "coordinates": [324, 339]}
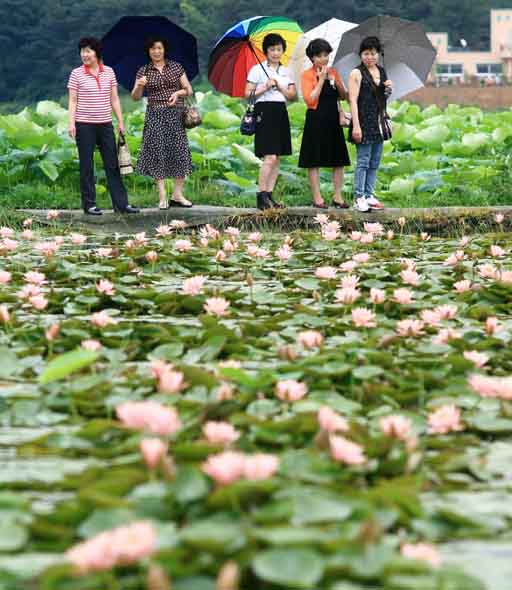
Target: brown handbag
{"type": "Point", "coordinates": [191, 115]}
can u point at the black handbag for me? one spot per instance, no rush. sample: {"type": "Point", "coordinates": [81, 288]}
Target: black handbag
{"type": "Point", "coordinates": [248, 122]}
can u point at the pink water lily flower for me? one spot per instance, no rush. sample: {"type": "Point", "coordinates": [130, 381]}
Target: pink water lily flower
{"type": "Point", "coordinates": [35, 277]}
{"type": "Point", "coordinates": [255, 236]}
{"type": "Point", "coordinates": [39, 302]}
{"type": "Point", "coordinates": [52, 332]}
{"type": "Point", "coordinates": [101, 319]}
{"type": "Point", "coordinates": [153, 451]}
{"type": "Point", "coordinates": [163, 230]}
{"type": "Point", "coordinates": [349, 282]}
{"type": "Point", "coordinates": [284, 253]}
{"type": "Point", "coordinates": [326, 272]}
{"type": "Point", "coordinates": [170, 381]}
{"type": "Point", "coordinates": [5, 316]}
{"type": "Point", "coordinates": [492, 326]}
{"type": "Point", "coordinates": [92, 345]}
{"type": "Point", "coordinates": [367, 238]}
{"type": "Point", "coordinates": [5, 277]}
{"type": "Point", "coordinates": [446, 312]}
{"type": "Point", "coordinates": [444, 420]}
{"type": "Point", "coordinates": [260, 466]}
{"type": "Point", "coordinates": [217, 306]}
{"type": "Point", "coordinates": [488, 271]}
{"type": "Point", "coordinates": [497, 251]}
{"type": "Point", "coordinates": [6, 232]}
{"type": "Point", "coordinates": [422, 552]}
{"type": "Point", "coordinates": [409, 327]}
{"type": "Point", "coordinates": [120, 546]}
{"type": "Point", "coordinates": [220, 433]}
{"type": "Point", "coordinates": [52, 214]}
{"type": "Point", "coordinates": [363, 318]}
{"type": "Point", "coordinates": [403, 296]}
{"type": "Point", "coordinates": [346, 451]}
{"type": "Point", "coordinates": [225, 468]}
{"type": "Point", "coordinates": [377, 296]}
{"type": "Point", "coordinates": [374, 228]}
{"type": "Point", "coordinates": [178, 224]}
{"type": "Point", "coordinates": [361, 258]}
{"type": "Point", "coordinates": [193, 285]}
{"type": "Point", "coordinates": [183, 245]}
{"type": "Point", "coordinates": [330, 421]}
{"type": "Point", "coordinates": [78, 239]}
{"type": "Point", "coordinates": [310, 339]}
{"type": "Point", "coordinates": [349, 266]}
{"type": "Point", "coordinates": [410, 277]}
{"type": "Point", "coordinates": [347, 296]}
{"type": "Point", "coordinates": [290, 390]}
{"type": "Point", "coordinates": [149, 416]}
{"type": "Point", "coordinates": [494, 387]}
{"type": "Point", "coordinates": [151, 256]}
{"type": "Point", "coordinates": [105, 287]}
{"type": "Point", "coordinates": [479, 359]}
{"type": "Point", "coordinates": [462, 286]}
{"type": "Point", "coordinates": [396, 426]}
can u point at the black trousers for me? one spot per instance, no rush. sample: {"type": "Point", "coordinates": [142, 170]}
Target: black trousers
{"type": "Point", "coordinates": [88, 136]}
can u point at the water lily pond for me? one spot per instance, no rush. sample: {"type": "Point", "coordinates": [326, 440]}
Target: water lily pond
{"type": "Point", "coordinates": [200, 410]}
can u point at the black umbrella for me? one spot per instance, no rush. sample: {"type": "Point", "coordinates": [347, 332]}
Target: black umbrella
{"type": "Point", "coordinates": [408, 54]}
{"type": "Point", "coordinates": [123, 46]}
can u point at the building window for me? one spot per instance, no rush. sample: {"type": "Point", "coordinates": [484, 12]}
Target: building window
{"type": "Point", "coordinates": [450, 70]}
{"type": "Point", "coordinates": [489, 69]}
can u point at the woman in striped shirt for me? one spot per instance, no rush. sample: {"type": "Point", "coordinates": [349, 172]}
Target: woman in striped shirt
{"type": "Point", "coordinates": [92, 97]}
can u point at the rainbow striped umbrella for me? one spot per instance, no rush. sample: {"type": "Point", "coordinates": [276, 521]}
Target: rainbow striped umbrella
{"type": "Point", "coordinates": [240, 48]}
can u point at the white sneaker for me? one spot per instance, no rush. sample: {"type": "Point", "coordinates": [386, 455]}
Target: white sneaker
{"type": "Point", "coordinates": [374, 203]}
{"type": "Point", "coordinates": [361, 204]}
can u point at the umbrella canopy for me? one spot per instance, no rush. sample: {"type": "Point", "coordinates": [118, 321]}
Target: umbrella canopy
{"type": "Point", "coordinates": [123, 46]}
{"type": "Point", "coordinates": [240, 48]}
{"type": "Point", "coordinates": [408, 54]}
{"type": "Point", "coordinates": [331, 30]}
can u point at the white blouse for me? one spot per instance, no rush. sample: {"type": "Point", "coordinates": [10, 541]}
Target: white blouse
{"type": "Point", "coordinates": [258, 76]}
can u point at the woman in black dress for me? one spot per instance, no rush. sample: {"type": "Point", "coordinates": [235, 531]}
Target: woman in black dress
{"type": "Point", "coordinates": [323, 141]}
{"type": "Point", "coordinates": [165, 152]}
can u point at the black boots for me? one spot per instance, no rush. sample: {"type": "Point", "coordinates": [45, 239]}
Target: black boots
{"type": "Point", "coordinates": [264, 200]}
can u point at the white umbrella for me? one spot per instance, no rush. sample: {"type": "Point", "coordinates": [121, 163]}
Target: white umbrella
{"type": "Point", "coordinates": [331, 30]}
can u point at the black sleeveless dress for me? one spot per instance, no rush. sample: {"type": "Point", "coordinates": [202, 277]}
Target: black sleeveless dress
{"type": "Point", "coordinates": [323, 141]}
{"type": "Point", "coordinates": [368, 107]}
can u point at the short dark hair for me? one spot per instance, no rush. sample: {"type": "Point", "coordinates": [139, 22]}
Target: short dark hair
{"type": "Point", "coordinates": [370, 43]}
{"type": "Point", "coordinates": [150, 41]}
{"type": "Point", "coordinates": [318, 46]}
{"type": "Point", "coordinates": [91, 42]}
{"type": "Point", "coordinates": [271, 40]}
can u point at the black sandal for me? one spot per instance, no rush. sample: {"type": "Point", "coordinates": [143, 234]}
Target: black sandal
{"type": "Point", "coordinates": [338, 205]}
{"type": "Point", "coordinates": [173, 203]}
{"type": "Point", "coordinates": [263, 201]}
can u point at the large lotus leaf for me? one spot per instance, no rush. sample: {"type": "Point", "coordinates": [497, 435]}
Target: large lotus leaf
{"type": "Point", "coordinates": [475, 141]}
{"type": "Point", "coordinates": [220, 119]}
{"type": "Point", "coordinates": [433, 136]}
{"type": "Point", "coordinates": [290, 568]}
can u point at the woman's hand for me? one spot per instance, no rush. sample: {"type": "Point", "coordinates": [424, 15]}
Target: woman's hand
{"type": "Point", "coordinates": [343, 119]}
{"type": "Point", "coordinates": [271, 83]}
{"type": "Point", "coordinates": [121, 128]}
{"type": "Point", "coordinates": [322, 73]}
{"type": "Point", "coordinates": [72, 131]}
{"type": "Point", "coordinates": [142, 81]}
{"type": "Point", "coordinates": [388, 84]}
{"type": "Point", "coordinates": [174, 98]}
{"type": "Point", "coordinates": [357, 134]}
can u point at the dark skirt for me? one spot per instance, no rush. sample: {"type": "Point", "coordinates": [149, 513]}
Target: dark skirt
{"type": "Point", "coordinates": [164, 152]}
{"type": "Point", "coordinates": [323, 141]}
{"type": "Point", "coordinates": [273, 135]}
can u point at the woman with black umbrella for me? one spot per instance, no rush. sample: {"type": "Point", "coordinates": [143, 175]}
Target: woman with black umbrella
{"type": "Point", "coordinates": [165, 152]}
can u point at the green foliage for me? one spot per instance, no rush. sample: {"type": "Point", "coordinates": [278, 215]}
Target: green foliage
{"type": "Point", "coordinates": [40, 37]}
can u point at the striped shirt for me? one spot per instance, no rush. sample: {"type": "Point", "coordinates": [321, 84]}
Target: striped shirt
{"type": "Point", "coordinates": [94, 93]}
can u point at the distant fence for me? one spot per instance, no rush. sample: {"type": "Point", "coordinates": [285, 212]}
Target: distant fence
{"type": "Point", "coordinates": [489, 98]}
